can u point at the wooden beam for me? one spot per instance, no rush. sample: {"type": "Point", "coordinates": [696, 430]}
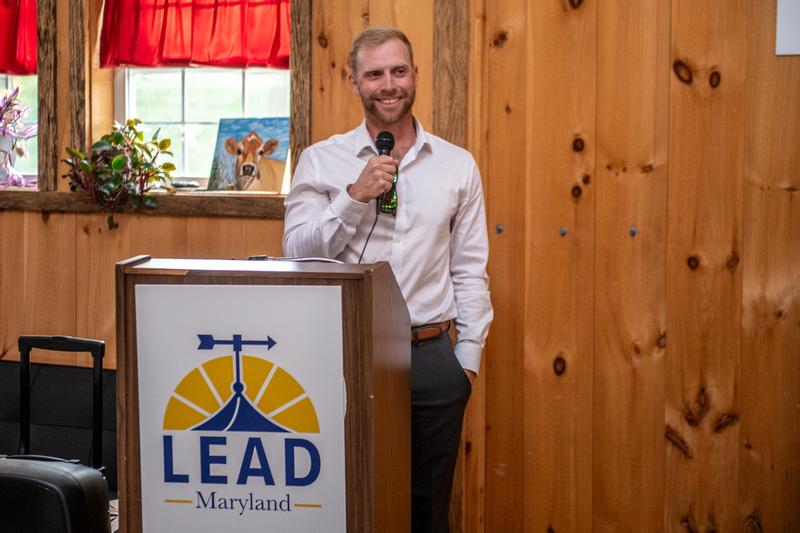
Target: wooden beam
{"type": "Point", "coordinates": [450, 59]}
{"type": "Point", "coordinates": [179, 204]}
{"type": "Point", "coordinates": [300, 67]}
{"type": "Point", "coordinates": [78, 70]}
{"type": "Point", "coordinates": [48, 134]}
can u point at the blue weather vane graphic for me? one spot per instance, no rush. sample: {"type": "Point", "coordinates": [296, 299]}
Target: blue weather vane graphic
{"type": "Point", "coordinates": [238, 414]}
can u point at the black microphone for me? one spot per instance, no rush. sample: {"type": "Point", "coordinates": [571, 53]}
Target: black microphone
{"type": "Point", "coordinates": [384, 142]}
{"type": "Point", "coordinates": [387, 202]}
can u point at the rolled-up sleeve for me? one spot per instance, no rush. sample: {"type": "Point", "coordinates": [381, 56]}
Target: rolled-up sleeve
{"type": "Point", "coordinates": [319, 220]}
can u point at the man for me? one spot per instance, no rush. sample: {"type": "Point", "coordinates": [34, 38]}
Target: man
{"type": "Point", "coordinates": [435, 243]}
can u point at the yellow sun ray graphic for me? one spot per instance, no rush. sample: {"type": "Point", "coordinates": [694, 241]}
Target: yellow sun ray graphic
{"type": "Point", "coordinates": [276, 400]}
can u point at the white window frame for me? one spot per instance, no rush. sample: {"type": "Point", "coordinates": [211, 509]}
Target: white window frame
{"type": "Point", "coordinates": [122, 104]}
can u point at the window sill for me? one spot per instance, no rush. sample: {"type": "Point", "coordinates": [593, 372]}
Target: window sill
{"type": "Point", "coordinates": [221, 204]}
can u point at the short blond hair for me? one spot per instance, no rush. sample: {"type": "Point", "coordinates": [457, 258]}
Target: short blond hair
{"type": "Point", "coordinates": [375, 36]}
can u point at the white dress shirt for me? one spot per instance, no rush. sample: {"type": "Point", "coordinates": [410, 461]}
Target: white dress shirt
{"type": "Point", "coordinates": [436, 244]}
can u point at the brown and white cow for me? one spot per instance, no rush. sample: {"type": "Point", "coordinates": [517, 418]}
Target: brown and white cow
{"type": "Point", "coordinates": [254, 170]}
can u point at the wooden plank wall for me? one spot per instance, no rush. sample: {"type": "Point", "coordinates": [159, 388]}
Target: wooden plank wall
{"type": "Point", "coordinates": [640, 166]}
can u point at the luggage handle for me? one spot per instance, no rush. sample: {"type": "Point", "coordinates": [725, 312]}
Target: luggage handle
{"type": "Point", "coordinates": [62, 344]}
{"type": "Point", "coordinates": [43, 458]}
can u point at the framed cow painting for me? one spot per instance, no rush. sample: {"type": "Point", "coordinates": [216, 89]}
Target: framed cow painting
{"type": "Point", "coordinates": [250, 155]}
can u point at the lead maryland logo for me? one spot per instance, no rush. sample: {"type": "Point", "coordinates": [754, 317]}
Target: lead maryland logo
{"type": "Point", "coordinates": [239, 416]}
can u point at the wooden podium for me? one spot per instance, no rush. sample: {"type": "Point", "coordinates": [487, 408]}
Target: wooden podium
{"type": "Point", "coordinates": [375, 333]}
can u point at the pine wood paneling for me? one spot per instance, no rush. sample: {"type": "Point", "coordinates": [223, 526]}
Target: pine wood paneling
{"type": "Point", "coordinates": [630, 278]}
{"type": "Point", "coordinates": [707, 133]}
{"type": "Point", "coordinates": [215, 239]}
{"type": "Point", "coordinates": [474, 450]}
{"type": "Point", "coordinates": [769, 480]}
{"type": "Point", "coordinates": [160, 236]}
{"type": "Point", "coordinates": [12, 281]}
{"type": "Point", "coordinates": [560, 64]}
{"type": "Point", "coordinates": [98, 249]}
{"type": "Point", "coordinates": [334, 107]}
{"type": "Point", "coordinates": [47, 278]}
{"type": "Point", "coordinates": [504, 137]}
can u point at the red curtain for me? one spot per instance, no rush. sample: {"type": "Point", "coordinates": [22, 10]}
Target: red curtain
{"type": "Point", "coordinates": [18, 37]}
{"type": "Point", "coordinates": [228, 33]}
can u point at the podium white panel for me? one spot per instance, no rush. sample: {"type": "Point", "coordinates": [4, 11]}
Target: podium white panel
{"type": "Point", "coordinates": [241, 408]}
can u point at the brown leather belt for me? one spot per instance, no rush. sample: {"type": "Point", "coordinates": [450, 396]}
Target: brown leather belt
{"type": "Point", "coordinates": [429, 331]}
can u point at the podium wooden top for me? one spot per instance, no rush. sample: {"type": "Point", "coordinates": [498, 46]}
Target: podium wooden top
{"type": "Point", "coordinates": [199, 267]}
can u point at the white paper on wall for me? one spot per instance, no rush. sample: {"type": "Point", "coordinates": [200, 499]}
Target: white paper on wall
{"type": "Point", "coordinates": [787, 39]}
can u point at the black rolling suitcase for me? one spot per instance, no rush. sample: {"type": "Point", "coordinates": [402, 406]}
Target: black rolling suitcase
{"type": "Point", "coordinates": [49, 495]}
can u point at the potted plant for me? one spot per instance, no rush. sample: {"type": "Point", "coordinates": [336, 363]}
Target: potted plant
{"type": "Point", "coordinates": [122, 168]}
{"type": "Point", "coordinates": [13, 134]}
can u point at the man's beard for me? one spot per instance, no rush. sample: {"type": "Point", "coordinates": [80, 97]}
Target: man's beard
{"type": "Point", "coordinates": [389, 119]}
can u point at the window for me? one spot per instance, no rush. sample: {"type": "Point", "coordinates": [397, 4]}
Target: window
{"type": "Point", "coordinates": [187, 103]}
{"type": "Point", "coordinates": [28, 94]}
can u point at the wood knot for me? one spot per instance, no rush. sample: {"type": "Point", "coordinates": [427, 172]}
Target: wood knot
{"type": "Point", "coordinates": [322, 39]}
{"type": "Point", "coordinates": [752, 523]}
{"type": "Point", "coordinates": [647, 168]}
{"type": "Point", "coordinates": [779, 313]}
{"type": "Point", "coordinates": [791, 188]}
{"type": "Point", "coordinates": [725, 421]}
{"type": "Point", "coordinates": [682, 71]}
{"type": "Point", "coordinates": [694, 417]}
{"type": "Point", "coordinates": [714, 79]}
{"type": "Point", "coordinates": [45, 216]}
{"type": "Point", "coordinates": [575, 4]}
{"type": "Point", "coordinates": [559, 366]}
{"type": "Point", "coordinates": [576, 191]}
{"type": "Point", "coordinates": [679, 442]}
{"type": "Point", "coordinates": [499, 39]}
{"type": "Point", "coordinates": [578, 145]}
{"type": "Point", "coordinates": [343, 73]}
{"type": "Point", "coordinates": [586, 179]}
{"type": "Point", "coordinates": [748, 446]}
{"type": "Point", "coordinates": [508, 109]}
{"type": "Point", "coordinates": [86, 230]}
{"type": "Point", "coordinates": [467, 447]}
{"type": "Point", "coordinates": [333, 64]}
{"type": "Point", "coordinates": [662, 341]}
{"type": "Point", "coordinates": [550, 529]}
{"type": "Point", "coordinates": [688, 522]}
{"type": "Point", "coordinates": [693, 262]}
{"type": "Point", "coordinates": [732, 261]}
{"type": "Point", "coordinates": [636, 348]}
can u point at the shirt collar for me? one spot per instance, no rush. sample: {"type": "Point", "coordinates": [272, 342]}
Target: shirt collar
{"type": "Point", "coordinates": [363, 142]}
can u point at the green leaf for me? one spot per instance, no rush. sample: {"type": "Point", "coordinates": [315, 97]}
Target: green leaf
{"type": "Point", "coordinates": [155, 135]}
{"type": "Point", "coordinates": [112, 224]}
{"type": "Point", "coordinates": [168, 167]}
{"type": "Point", "coordinates": [101, 145]}
{"type": "Point", "coordinates": [164, 144]}
{"type": "Point", "coordinates": [118, 163]}
{"type": "Point", "coordinates": [150, 201]}
{"type": "Point", "coordinates": [75, 154]}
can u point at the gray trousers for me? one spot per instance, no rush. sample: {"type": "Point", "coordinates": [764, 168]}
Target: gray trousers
{"type": "Point", "coordinates": [439, 393]}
